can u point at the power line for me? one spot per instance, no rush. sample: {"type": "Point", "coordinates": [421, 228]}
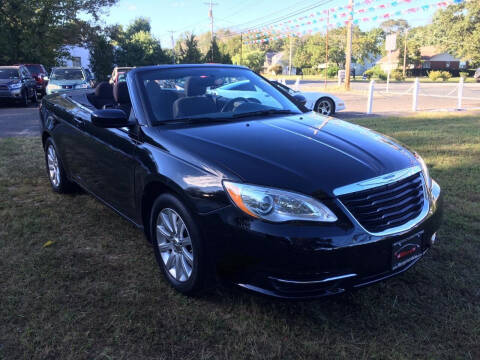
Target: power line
{"type": "Point", "coordinates": [281, 18]}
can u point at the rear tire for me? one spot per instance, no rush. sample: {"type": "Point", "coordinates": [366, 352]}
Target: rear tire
{"type": "Point", "coordinates": [24, 100]}
{"type": "Point", "coordinates": [180, 249]}
{"type": "Point", "coordinates": [34, 96]}
{"type": "Point", "coordinates": [55, 171]}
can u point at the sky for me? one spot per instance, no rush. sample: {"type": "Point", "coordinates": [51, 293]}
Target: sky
{"type": "Point", "coordinates": [192, 15]}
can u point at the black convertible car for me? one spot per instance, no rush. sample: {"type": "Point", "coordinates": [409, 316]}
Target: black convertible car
{"type": "Point", "coordinates": [254, 189]}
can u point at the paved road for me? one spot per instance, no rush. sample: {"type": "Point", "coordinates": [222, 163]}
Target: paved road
{"type": "Point", "coordinates": [18, 121]}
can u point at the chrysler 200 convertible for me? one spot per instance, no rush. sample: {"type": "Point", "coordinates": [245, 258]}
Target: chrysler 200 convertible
{"type": "Point", "coordinates": [256, 189]}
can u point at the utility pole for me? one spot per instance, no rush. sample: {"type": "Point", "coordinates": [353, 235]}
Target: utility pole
{"type": "Point", "coordinates": [326, 48]}
{"type": "Point", "coordinates": [210, 15]}
{"type": "Point", "coordinates": [290, 58]}
{"type": "Point", "coordinates": [405, 54]}
{"type": "Point", "coordinates": [173, 44]}
{"type": "Point", "coordinates": [241, 48]}
{"type": "Point", "coordinates": [348, 52]}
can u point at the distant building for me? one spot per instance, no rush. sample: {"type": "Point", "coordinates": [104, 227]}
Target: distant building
{"type": "Point", "coordinates": [278, 58]}
{"type": "Point", "coordinates": [431, 59]}
{"type": "Point", "coordinates": [78, 56]}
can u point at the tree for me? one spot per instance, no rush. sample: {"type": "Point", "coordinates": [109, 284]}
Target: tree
{"type": "Point", "coordinates": [457, 30]}
{"type": "Point", "coordinates": [217, 55]}
{"type": "Point", "coordinates": [101, 56]}
{"type": "Point", "coordinates": [37, 30]}
{"type": "Point", "coordinates": [188, 51]}
{"type": "Point", "coordinates": [136, 46]}
{"type": "Point", "coordinates": [254, 59]}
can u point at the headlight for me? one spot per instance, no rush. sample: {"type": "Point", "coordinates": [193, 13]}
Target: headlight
{"type": "Point", "coordinates": [82, 86]}
{"type": "Point", "coordinates": [277, 205]}
{"type": "Point", "coordinates": [425, 172]}
{"type": "Point", "coordinates": [53, 86]}
{"type": "Point", "coordinates": [15, 85]}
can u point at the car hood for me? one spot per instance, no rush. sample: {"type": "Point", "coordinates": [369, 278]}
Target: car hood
{"type": "Point", "coordinates": [307, 153]}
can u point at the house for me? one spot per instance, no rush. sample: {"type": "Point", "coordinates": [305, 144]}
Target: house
{"type": "Point", "coordinates": [278, 58]}
{"type": "Point", "coordinates": [432, 58]}
{"type": "Point", "coordinates": [78, 56]}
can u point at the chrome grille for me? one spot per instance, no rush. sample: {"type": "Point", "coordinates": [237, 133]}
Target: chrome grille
{"type": "Point", "coordinates": [387, 206]}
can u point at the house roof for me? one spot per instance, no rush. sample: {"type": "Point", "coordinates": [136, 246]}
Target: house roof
{"type": "Point", "coordinates": [426, 52]}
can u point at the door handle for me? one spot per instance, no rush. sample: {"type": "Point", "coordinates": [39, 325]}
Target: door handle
{"type": "Point", "coordinates": [78, 120]}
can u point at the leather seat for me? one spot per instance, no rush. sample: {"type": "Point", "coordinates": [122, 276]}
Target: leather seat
{"type": "Point", "coordinates": [195, 102]}
{"type": "Point", "coordinates": [161, 100]}
{"type": "Point", "coordinates": [122, 97]}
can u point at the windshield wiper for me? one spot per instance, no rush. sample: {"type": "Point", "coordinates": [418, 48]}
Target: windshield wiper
{"type": "Point", "coordinates": [264, 112]}
{"type": "Point", "coordinates": [193, 120]}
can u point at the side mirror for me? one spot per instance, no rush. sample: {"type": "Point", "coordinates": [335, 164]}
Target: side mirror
{"type": "Point", "coordinates": [110, 118]}
{"type": "Point", "coordinates": [300, 99]}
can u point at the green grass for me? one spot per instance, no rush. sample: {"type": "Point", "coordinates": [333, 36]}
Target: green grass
{"type": "Point", "coordinates": [97, 293]}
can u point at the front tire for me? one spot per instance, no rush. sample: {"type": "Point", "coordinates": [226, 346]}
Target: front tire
{"type": "Point", "coordinates": [55, 171]}
{"type": "Point", "coordinates": [325, 106]}
{"type": "Point", "coordinates": [179, 247]}
{"type": "Point", "coordinates": [24, 100]}
{"type": "Point", "coordinates": [34, 97]}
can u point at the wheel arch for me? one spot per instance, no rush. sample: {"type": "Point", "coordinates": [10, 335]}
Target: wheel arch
{"type": "Point", "coordinates": [151, 191]}
{"type": "Point", "coordinates": [45, 136]}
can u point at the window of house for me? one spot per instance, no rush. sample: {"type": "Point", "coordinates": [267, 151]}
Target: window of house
{"type": "Point", "coordinates": [76, 61]}
{"type": "Point", "coordinates": [426, 65]}
{"type": "Point", "coordinates": [447, 64]}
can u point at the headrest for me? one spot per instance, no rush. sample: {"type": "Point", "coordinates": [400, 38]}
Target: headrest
{"type": "Point", "coordinates": [152, 87]}
{"type": "Point", "coordinates": [120, 93]}
{"type": "Point", "coordinates": [196, 85]}
{"type": "Point", "coordinates": [104, 90]}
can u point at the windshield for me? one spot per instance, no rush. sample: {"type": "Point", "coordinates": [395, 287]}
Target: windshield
{"type": "Point", "coordinates": [67, 74]}
{"type": "Point", "coordinates": [285, 88]}
{"type": "Point", "coordinates": [210, 93]}
{"type": "Point", "coordinates": [9, 74]}
{"type": "Point", "coordinates": [35, 69]}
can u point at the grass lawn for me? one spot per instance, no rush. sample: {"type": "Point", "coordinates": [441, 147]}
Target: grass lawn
{"type": "Point", "coordinates": [96, 292]}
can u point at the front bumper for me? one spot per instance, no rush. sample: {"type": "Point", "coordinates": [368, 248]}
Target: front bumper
{"type": "Point", "coordinates": [11, 94]}
{"type": "Point", "coordinates": [301, 261]}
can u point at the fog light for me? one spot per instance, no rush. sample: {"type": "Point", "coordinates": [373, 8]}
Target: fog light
{"type": "Point", "coordinates": [433, 239]}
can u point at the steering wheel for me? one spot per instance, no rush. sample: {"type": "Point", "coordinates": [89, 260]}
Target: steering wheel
{"type": "Point", "coordinates": [230, 105]}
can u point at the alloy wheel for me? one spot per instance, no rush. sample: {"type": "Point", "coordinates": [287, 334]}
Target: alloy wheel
{"type": "Point", "coordinates": [324, 107]}
{"type": "Point", "coordinates": [53, 167]}
{"type": "Point", "coordinates": [174, 244]}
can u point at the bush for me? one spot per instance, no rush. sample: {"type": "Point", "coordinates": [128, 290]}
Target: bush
{"type": "Point", "coordinates": [463, 74]}
{"type": "Point", "coordinates": [446, 75]}
{"type": "Point", "coordinates": [276, 69]}
{"type": "Point", "coordinates": [435, 75]}
{"type": "Point", "coordinates": [375, 72]}
{"type": "Point", "coordinates": [332, 70]}
{"type": "Point", "coordinates": [397, 75]}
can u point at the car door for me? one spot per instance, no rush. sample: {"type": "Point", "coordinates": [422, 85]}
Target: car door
{"type": "Point", "coordinates": [28, 81]}
{"type": "Point", "coordinates": [107, 163]}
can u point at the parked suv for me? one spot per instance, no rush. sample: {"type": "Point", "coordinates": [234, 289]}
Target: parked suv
{"type": "Point", "coordinates": [17, 84]}
{"type": "Point", "coordinates": [39, 73]}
